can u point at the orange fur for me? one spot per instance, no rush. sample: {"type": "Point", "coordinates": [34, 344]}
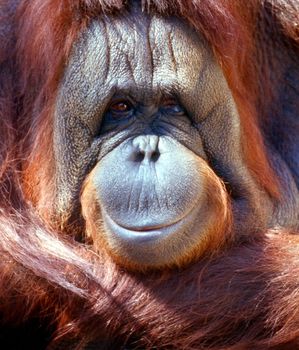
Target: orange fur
{"type": "Point", "coordinates": [243, 297]}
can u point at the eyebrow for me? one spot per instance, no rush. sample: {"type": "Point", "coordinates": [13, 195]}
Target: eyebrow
{"type": "Point", "coordinates": [135, 92]}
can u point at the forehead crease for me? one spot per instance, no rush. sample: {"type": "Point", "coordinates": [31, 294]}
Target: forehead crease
{"type": "Point", "coordinates": [161, 37]}
{"type": "Point", "coordinates": [130, 48]}
{"type": "Point", "coordinates": [178, 52]}
{"type": "Point", "coordinates": [149, 54]}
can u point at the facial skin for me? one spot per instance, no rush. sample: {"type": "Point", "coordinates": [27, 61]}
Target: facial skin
{"type": "Point", "coordinates": [145, 131]}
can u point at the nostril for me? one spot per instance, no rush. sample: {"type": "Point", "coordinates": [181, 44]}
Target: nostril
{"type": "Point", "coordinates": [139, 156]}
{"type": "Point", "coordinates": [145, 149]}
{"type": "Point", "coordinates": [155, 156]}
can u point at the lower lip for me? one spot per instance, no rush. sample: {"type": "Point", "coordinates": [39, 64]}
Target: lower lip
{"type": "Point", "coordinates": [141, 236]}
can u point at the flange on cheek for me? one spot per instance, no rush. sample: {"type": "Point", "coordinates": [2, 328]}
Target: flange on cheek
{"type": "Point", "coordinates": [202, 230]}
{"type": "Point", "coordinates": [91, 212]}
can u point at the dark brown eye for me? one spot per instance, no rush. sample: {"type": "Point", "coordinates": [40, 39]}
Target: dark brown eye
{"type": "Point", "coordinates": [120, 107]}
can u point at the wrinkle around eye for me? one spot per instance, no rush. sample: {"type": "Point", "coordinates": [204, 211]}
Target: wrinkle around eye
{"type": "Point", "coordinates": [110, 123]}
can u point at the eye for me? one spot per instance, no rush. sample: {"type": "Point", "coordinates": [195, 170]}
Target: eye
{"type": "Point", "coordinates": [119, 112]}
{"type": "Point", "coordinates": [120, 108]}
{"type": "Point", "coordinates": [172, 106]}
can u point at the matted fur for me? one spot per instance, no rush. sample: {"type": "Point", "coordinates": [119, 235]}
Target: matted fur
{"type": "Point", "coordinates": [244, 297]}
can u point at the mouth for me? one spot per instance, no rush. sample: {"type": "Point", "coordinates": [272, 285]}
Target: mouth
{"type": "Point", "coordinates": [141, 234]}
{"type": "Point", "coordinates": [146, 241]}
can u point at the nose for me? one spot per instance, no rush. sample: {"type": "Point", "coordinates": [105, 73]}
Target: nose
{"type": "Point", "coordinates": [145, 148]}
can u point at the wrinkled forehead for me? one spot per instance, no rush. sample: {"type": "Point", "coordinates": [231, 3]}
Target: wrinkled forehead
{"type": "Point", "coordinates": [142, 51]}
